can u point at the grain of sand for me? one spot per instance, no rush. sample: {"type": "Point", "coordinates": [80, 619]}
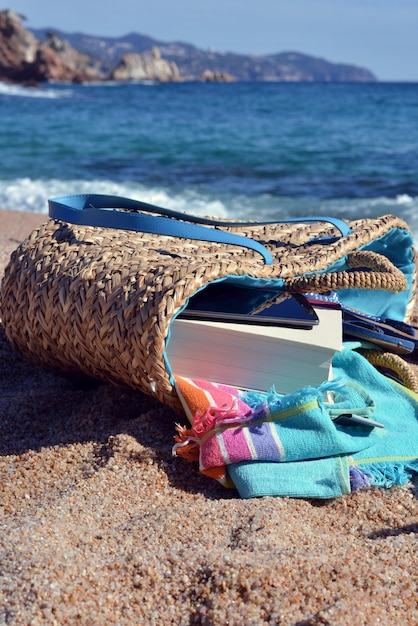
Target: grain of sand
{"type": "Point", "coordinates": [100, 525]}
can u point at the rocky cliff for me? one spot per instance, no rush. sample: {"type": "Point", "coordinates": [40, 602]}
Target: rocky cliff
{"type": "Point", "coordinates": [26, 59]}
{"type": "Point", "coordinates": [18, 47]}
{"type": "Point", "coordinates": [45, 55]}
{"type": "Point", "coordinates": [194, 63]}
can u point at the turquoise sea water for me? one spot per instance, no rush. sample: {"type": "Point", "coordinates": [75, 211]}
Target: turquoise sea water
{"type": "Point", "coordinates": [249, 150]}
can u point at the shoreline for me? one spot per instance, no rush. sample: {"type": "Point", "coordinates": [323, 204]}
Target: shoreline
{"type": "Point", "coordinates": [101, 525]}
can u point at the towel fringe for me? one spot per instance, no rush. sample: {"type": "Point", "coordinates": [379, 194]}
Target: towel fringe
{"type": "Point", "coordinates": [214, 415]}
{"type": "Point", "coordinates": [387, 473]}
{"type": "Point", "coordinates": [187, 444]}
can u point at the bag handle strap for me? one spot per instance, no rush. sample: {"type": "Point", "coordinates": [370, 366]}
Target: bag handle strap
{"type": "Point", "coordinates": [104, 211]}
{"type": "Point", "coordinates": [378, 273]}
{"type": "Point", "coordinates": [396, 364]}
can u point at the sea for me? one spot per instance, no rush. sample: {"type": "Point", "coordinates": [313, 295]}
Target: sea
{"type": "Point", "coordinates": [265, 151]}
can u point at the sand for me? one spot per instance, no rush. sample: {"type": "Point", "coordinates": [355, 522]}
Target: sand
{"type": "Point", "coordinates": [101, 525]}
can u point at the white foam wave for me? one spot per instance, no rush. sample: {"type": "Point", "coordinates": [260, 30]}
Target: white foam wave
{"type": "Point", "coordinates": [26, 194]}
{"type": "Point", "coordinates": [403, 206]}
{"type": "Point", "coordinates": [33, 92]}
{"type": "Point", "coordinates": [65, 90]}
{"type": "Point", "coordinates": [404, 199]}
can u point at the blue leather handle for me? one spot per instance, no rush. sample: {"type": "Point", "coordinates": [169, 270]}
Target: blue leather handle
{"type": "Point", "coordinates": [104, 211]}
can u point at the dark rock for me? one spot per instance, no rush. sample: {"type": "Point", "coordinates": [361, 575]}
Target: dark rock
{"type": "Point", "coordinates": [48, 66]}
{"type": "Point", "coordinates": [208, 76]}
{"type": "Point", "coordinates": [76, 62]}
{"type": "Point", "coordinates": [18, 47]}
{"type": "Point", "coordinates": [24, 59]}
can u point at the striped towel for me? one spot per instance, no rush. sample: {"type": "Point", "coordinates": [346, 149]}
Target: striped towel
{"type": "Point", "coordinates": [230, 427]}
{"type": "Point", "coordinates": [205, 405]}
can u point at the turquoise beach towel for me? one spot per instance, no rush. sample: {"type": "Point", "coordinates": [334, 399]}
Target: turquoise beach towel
{"type": "Point", "coordinates": [386, 457]}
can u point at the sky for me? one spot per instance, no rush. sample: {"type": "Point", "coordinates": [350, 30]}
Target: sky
{"type": "Point", "coordinates": [380, 35]}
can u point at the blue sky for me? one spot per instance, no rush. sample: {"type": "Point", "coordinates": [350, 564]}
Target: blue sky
{"type": "Point", "coordinates": [381, 35]}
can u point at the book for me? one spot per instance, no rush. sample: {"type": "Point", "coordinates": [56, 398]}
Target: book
{"type": "Point", "coordinates": [256, 357]}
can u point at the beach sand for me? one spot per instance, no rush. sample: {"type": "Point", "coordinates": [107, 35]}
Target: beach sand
{"type": "Point", "coordinates": [100, 525]}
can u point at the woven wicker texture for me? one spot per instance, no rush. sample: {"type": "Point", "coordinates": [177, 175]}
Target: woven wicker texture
{"type": "Point", "coordinates": [99, 301]}
{"type": "Point", "coordinates": [404, 371]}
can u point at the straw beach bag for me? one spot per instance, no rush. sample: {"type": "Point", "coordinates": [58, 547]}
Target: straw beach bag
{"type": "Point", "coordinates": [93, 291]}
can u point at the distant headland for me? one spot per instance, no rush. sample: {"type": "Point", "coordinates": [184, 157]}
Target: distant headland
{"type": "Point", "coordinates": [33, 56]}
